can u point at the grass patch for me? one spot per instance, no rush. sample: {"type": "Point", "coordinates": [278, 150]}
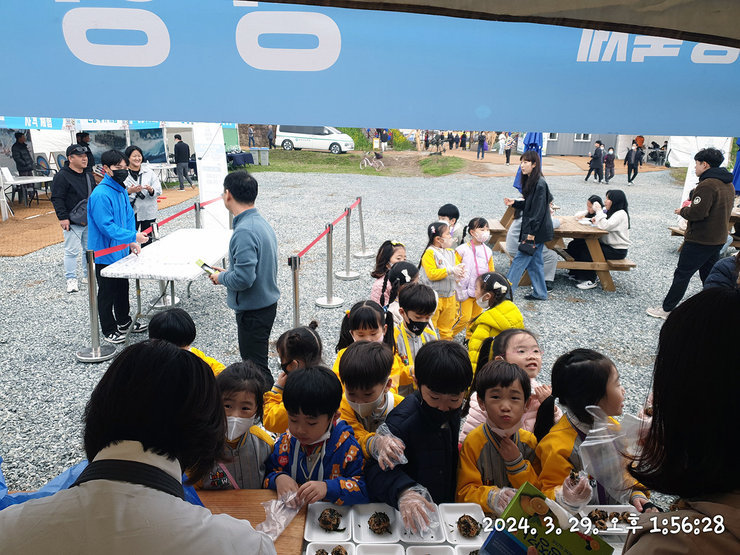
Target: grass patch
{"type": "Point", "coordinates": [678, 174]}
{"type": "Point", "coordinates": [436, 166]}
{"type": "Point", "coordinates": [307, 161]}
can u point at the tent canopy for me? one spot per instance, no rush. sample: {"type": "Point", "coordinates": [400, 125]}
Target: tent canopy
{"type": "Point", "coordinates": [706, 21]}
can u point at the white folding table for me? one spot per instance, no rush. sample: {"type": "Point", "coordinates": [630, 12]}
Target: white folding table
{"type": "Point", "coordinates": [171, 259]}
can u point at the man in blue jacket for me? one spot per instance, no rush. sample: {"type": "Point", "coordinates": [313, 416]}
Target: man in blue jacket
{"type": "Point", "coordinates": [111, 222]}
{"type": "Point", "coordinates": [251, 280]}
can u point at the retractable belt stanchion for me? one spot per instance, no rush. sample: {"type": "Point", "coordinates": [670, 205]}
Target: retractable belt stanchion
{"type": "Point", "coordinates": [198, 223]}
{"type": "Point", "coordinates": [98, 352]}
{"type": "Point", "coordinates": [363, 252]}
{"type": "Point", "coordinates": [347, 274]}
{"type": "Point", "coordinates": [330, 301]}
{"type": "Point", "coordinates": [295, 263]}
{"type": "Point", "coordinates": [231, 220]}
{"type": "Point", "coordinates": [164, 300]}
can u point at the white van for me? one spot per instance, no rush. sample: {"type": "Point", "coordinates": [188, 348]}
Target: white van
{"type": "Point", "coordinates": [310, 136]}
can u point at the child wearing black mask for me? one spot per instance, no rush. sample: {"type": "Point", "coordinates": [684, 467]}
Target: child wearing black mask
{"type": "Point", "coordinates": [417, 303]}
{"type": "Point", "coordinates": [428, 422]}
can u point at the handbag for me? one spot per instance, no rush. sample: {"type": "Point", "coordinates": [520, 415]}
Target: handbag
{"type": "Point", "coordinates": [527, 248]}
{"type": "Point", "coordinates": [78, 214]}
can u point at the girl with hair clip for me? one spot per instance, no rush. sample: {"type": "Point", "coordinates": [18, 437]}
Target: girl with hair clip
{"type": "Point", "coordinates": [389, 253]}
{"type": "Point", "coordinates": [520, 347]}
{"type": "Point", "coordinates": [297, 348]}
{"type": "Point", "coordinates": [478, 259]}
{"type": "Point", "coordinates": [400, 275]}
{"type": "Point", "coordinates": [614, 245]}
{"type": "Point", "coordinates": [367, 321]}
{"type": "Point", "coordinates": [442, 268]}
{"type": "Point", "coordinates": [580, 378]}
{"type": "Point", "coordinates": [493, 296]}
{"type": "Point", "coordinates": [248, 447]}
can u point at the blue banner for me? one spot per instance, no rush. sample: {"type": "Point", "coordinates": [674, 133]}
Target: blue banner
{"type": "Point", "coordinates": [277, 63]}
{"type": "Point", "coordinates": [31, 122]}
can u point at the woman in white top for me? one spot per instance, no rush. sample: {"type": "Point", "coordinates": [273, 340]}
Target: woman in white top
{"type": "Point", "coordinates": [143, 188]}
{"type": "Point", "coordinates": [614, 245]}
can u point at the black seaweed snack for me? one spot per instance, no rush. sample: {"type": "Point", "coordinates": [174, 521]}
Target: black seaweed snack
{"type": "Point", "coordinates": [339, 550]}
{"type": "Point", "coordinates": [474, 552]}
{"type": "Point", "coordinates": [379, 523]}
{"type": "Point", "coordinates": [574, 476]}
{"type": "Point", "coordinates": [321, 552]}
{"type": "Point", "coordinates": [626, 515]}
{"type": "Point", "coordinates": [468, 526]}
{"type": "Point", "coordinates": [330, 519]}
{"type": "Point", "coordinates": [597, 514]}
{"type": "Point", "coordinates": [615, 516]}
{"type": "Point", "coordinates": [601, 524]}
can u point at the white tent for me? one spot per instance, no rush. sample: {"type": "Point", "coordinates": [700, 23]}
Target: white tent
{"type": "Point", "coordinates": [46, 141]}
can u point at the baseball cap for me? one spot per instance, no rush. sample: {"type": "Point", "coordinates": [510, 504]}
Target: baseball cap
{"type": "Point", "coordinates": [76, 149]}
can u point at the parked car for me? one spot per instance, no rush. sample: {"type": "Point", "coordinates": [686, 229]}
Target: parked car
{"type": "Point", "coordinates": [296, 137]}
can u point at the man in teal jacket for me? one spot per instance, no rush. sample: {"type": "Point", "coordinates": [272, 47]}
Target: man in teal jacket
{"type": "Point", "coordinates": [111, 222]}
{"type": "Point", "coordinates": [251, 280]}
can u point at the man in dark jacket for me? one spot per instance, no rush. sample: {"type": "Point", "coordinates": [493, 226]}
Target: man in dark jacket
{"type": "Point", "coordinates": [707, 217]}
{"type": "Point", "coordinates": [71, 186]}
{"type": "Point", "coordinates": [632, 160]}
{"type": "Point", "coordinates": [21, 155]}
{"type": "Point", "coordinates": [83, 141]}
{"type": "Point", "coordinates": [596, 164]}
{"type": "Point", "coordinates": [182, 158]}
{"type": "Point", "coordinates": [609, 165]}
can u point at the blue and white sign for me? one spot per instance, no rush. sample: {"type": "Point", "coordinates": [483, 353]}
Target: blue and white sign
{"type": "Point", "coordinates": [279, 63]}
{"type": "Point", "coordinates": [31, 122]}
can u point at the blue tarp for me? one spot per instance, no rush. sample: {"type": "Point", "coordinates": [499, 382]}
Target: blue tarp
{"type": "Point", "coordinates": [532, 141]}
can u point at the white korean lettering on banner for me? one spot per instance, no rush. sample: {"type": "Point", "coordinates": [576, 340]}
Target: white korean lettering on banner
{"type": "Point", "coordinates": [584, 45]}
{"type": "Point", "coordinates": [78, 21]}
{"type": "Point", "coordinates": [599, 38]}
{"type": "Point", "coordinates": [254, 24]}
{"type": "Point", "coordinates": [712, 54]}
{"type": "Point", "coordinates": [617, 42]}
{"type": "Point", "coordinates": [654, 46]}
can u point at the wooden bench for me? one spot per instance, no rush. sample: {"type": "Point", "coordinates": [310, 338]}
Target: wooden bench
{"type": "Point", "coordinates": [678, 232]}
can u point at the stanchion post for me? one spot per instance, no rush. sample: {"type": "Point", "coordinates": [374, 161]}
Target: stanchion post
{"type": "Point", "coordinates": [231, 220]}
{"type": "Point", "coordinates": [98, 352]}
{"type": "Point", "coordinates": [155, 232]}
{"type": "Point", "coordinates": [295, 263]}
{"type": "Point", "coordinates": [198, 222]}
{"type": "Point", "coordinates": [330, 301]}
{"type": "Point", "coordinates": [363, 252]}
{"type": "Point", "coordinates": [347, 274]}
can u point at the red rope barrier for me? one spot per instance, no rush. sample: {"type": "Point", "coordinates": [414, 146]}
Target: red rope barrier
{"type": "Point", "coordinates": [109, 250]}
{"type": "Point", "coordinates": [339, 219]}
{"type": "Point", "coordinates": [180, 213]}
{"type": "Point", "coordinates": [321, 236]}
{"type": "Point", "coordinates": [356, 203]}
{"type": "Point", "coordinates": [206, 203]}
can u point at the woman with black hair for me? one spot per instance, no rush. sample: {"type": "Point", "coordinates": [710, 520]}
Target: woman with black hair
{"type": "Point", "coordinates": [693, 453]}
{"type": "Point", "coordinates": [536, 227]}
{"type": "Point", "coordinates": [614, 245]}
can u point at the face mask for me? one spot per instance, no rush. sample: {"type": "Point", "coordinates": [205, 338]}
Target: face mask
{"type": "Point", "coordinates": [417, 328]}
{"type": "Point", "coordinates": [483, 236]}
{"type": "Point", "coordinates": [439, 417]}
{"type": "Point", "coordinates": [119, 176]}
{"type": "Point", "coordinates": [237, 427]}
{"type": "Point", "coordinates": [504, 432]}
{"type": "Point", "coordinates": [483, 303]}
{"type": "Point", "coordinates": [366, 409]}
{"type": "Point", "coordinates": [611, 152]}
{"type": "Point", "coordinates": [326, 435]}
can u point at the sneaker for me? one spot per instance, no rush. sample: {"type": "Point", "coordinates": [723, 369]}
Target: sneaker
{"type": "Point", "coordinates": [657, 312]}
{"type": "Point", "coordinates": [72, 286]}
{"type": "Point", "coordinates": [549, 285]}
{"type": "Point", "coordinates": [587, 284]}
{"type": "Point", "coordinates": [139, 327]}
{"type": "Point", "coordinates": [116, 337]}
{"type": "Point", "coordinates": [530, 297]}
{"type": "Point", "coordinates": [83, 281]}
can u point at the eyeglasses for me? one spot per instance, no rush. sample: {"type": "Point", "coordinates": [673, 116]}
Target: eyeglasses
{"type": "Point", "coordinates": [77, 150]}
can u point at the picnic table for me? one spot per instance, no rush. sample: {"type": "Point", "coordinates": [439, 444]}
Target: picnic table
{"type": "Point", "coordinates": [247, 504]}
{"type": "Point", "coordinates": [734, 219]}
{"type": "Point", "coordinates": [570, 228]}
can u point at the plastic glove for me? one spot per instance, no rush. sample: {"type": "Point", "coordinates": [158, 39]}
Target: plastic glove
{"type": "Point", "coordinates": [418, 512]}
{"type": "Point", "coordinates": [278, 514]}
{"type": "Point", "coordinates": [459, 271]}
{"type": "Point", "coordinates": [499, 499]}
{"type": "Point", "coordinates": [574, 495]}
{"type": "Point", "coordinates": [387, 449]}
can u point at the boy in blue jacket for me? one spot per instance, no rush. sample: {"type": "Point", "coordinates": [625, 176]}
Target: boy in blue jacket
{"type": "Point", "coordinates": [319, 457]}
{"type": "Point", "coordinates": [111, 222]}
{"type": "Point", "coordinates": [428, 422]}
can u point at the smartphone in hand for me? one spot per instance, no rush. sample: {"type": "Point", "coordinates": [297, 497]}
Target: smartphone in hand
{"type": "Point", "coordinates": [205, 267]}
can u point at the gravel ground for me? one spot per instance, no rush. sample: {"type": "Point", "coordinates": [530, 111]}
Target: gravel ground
{"type": "Point", "coordinates": [43, 389]}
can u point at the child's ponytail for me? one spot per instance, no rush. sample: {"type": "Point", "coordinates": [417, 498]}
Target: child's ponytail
{"type": "Point", "coordinates": [498, 286]}
{"type": "Point", "coordinates": [365, 315]}
{"type": "Point", "coordinates": [434, 230]}
{"type": "Point", "coordinates": [400, 274]}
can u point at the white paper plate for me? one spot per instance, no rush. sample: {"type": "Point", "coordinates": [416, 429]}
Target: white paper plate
{"type": "Point", "coordinates": [379, 549]}
{"type": "Point", "coordinates": [435, 535]}
{"type": "Point", "coordinates": [361, 532]}
{"type": "Point", "coordinates": [621, 528]}
{"type": "Point", "coordinates": [430, 550]}
{"type": "Point", "coordinates": [313, 547]}
{"type": "Point", "coordinates": [450, 512]}
{"type": "Point", "coordinates": [315, 533]}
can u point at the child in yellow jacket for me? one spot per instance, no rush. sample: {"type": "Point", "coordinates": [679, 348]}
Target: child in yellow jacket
{"type": "Point", "coordinates": [493, 293]}
{"type": "Point", "coordinates": [297, 348]}
{"type": "Point", "coordinates": [580, 378]}
{"type": "Point", "coordinates": [365, 373]}
{"type": "Point", "coordinates": [498, 457]}
{"type": "Point", "coordinates": [442, 268]}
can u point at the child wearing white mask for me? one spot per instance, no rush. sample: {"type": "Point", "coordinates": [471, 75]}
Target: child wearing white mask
{"type": "Point", "coordinates": [248, 447]}
{"type": "Point", "coordinates": [498, 456]}
{"type": "Point", "coordinates": [499, 313]}
{"type": "Point", "coordinates": [478, 259]}
{"type": "Point", "coordinates": [365, 372]}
